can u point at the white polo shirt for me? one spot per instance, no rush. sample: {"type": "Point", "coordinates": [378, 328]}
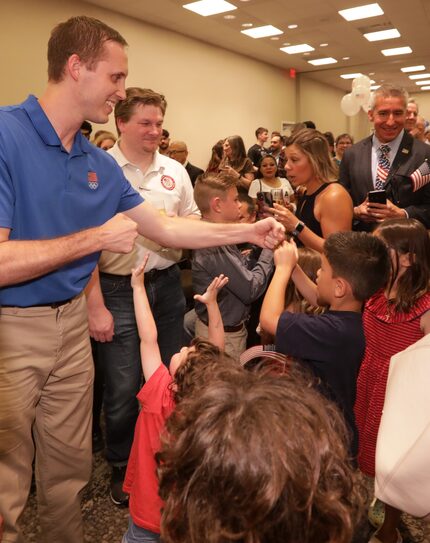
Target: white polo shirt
{"type": "Point", "coordinates": [166, 180]}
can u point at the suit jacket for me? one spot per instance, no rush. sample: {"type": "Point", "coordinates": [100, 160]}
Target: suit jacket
{"type": "Point", "coordinates": [356, 176]}
{"type": "Point", "coordinates": [193, 172]}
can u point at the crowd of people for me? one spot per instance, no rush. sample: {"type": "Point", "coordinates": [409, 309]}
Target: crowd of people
{"type": "Point", "coordinates": [310, 268]}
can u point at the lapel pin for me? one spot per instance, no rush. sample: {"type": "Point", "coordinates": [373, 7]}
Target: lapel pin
{"type": "Point", "coordinates": [405, 151]}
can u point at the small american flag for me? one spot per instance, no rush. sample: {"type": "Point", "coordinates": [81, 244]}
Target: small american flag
{"type": "Point", "coordinates": [421, 176]}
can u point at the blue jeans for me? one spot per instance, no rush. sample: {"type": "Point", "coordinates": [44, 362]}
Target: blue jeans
{"type": "Point", "coordinates": [136, 534]}
{"type": "Point", "coordinates": [120, 359]}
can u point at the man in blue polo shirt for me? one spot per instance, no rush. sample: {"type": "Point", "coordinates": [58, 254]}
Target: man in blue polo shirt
{"type": "Point", "coordinates": [58, 194]}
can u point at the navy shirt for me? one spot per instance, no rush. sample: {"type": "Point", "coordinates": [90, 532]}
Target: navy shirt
{"type": "Point", "coordinates": [332, 346]}
{"type": "Point", "coordinates": [47, 192]}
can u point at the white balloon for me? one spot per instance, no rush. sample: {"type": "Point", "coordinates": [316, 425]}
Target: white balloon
{"type": "Point", "coordinates": [361, 94]}
{"type": "Point", "coordinates": [366, 105]}
{"type": "Point", "coordinates": [349, 105]}
{"type": "Point", "coordinates": [361, 80]}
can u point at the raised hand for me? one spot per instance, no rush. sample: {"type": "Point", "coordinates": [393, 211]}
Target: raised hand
{"type": "Point", "coordinates": [210, 296]}
{"type": "Point", "coordinates": [137, 274]}
{"type": "Point", "coordinates": [286, 255]}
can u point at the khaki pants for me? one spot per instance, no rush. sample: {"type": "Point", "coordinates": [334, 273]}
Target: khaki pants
{"type": "Point", "coordinates": [46, 377]}
{"type": "Point", "coordinates": [235, 342]}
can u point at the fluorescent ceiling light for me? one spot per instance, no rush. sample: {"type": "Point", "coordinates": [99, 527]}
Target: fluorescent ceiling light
{"type": "Point", "coordinates": [322, 61]}
{"type": "Point", "coordinates": [424, 82]}
{"type": "Point", "coordinates": [361, 12]}
{"type": "Point", "coordinates": [419, 76]}
{"type": "Point", "coordinates": [396, 51]}
{"type": "Point", "coordinates": [413, 68]}
{"type": "Point", "coordinates": [350, 76]}
{"type": "Point", "coordinates": [209, 7]}
{"type": "Point", "coordinates": [382, 35]}
{"type": "Point", "coordinates": [262, 31]}
{"type": "Point", "coordinates": [426, 87]}
{"type": "Point", "coordinates": [374, 87]}
{"type": "Point", "coordinates": [293, 49]}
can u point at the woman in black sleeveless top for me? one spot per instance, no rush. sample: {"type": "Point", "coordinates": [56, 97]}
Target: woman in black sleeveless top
{"type": "Point", "coordinates": [323, 206]}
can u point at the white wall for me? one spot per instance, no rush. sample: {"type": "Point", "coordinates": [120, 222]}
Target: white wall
{"type": "Point", "coordinates": [211, 93]}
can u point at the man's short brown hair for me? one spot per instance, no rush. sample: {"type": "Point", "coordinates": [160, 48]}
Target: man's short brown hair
{"type": "Point", "coordinates": [209, 185]}
{"type": "Point", "coordinates": [135, 96]}
{"type": "Point", "coordinates": [83, 36]}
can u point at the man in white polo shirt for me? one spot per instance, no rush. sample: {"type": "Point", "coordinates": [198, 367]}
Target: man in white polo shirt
{"type": "Point", "coordinates": [165, 183]}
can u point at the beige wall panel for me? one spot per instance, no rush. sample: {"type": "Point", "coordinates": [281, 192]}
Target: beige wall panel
{"type": "Point", "coordinates": [212, 93]}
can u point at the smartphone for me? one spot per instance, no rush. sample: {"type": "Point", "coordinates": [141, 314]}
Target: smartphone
{"type": "Point", "coordinates": [265, 198]}
{"type": "Point", "coordinates": [377, 197]}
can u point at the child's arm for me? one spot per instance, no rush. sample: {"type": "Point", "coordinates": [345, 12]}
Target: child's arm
{"type": "Point", "coordinates": [209, 298]}
{"type": "Point", "coordinates": [305, 286]}
{"type": "Point", "coordinates": [149, 351]}
{"type": "Point", "coordinates": [274, 301]}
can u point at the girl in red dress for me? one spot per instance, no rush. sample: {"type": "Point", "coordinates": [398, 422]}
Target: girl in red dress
{"type": "Point", "coordinates": [393, 320]}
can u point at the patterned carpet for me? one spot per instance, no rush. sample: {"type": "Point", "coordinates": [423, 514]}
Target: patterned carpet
{"type": "Point", "coordinates": [106, 523]}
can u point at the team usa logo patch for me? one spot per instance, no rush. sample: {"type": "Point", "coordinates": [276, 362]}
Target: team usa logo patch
{"type": "Point", "coordinates": [168, 182]}
{"type": "Point", "coordinates": [93, 181]}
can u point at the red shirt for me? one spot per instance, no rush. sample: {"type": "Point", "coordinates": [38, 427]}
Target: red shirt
{"type": "Point", "coordinates": [141, 481]}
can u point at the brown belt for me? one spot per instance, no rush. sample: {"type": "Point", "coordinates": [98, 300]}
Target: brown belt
{"type": "Point", "coordinates": [227, 329]}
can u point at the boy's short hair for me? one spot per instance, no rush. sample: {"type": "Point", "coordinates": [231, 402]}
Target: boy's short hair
{"type": "Point", "coordinates": [257, 457]}
{"type": "Point", "coordinates": [260, 130]}
{"type": "Point", "coordinates": [209, 185]}
{"type": "Point", "coordinates": [359, 258]}
{"type": "Point", "coordinates": [82, 35]}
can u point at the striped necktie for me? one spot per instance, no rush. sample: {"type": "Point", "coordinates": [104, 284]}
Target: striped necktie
{"type": "Point", "coordinates": [383, 166]}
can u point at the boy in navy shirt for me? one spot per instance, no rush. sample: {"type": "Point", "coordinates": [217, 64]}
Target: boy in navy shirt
{"type": "Point", "coordinates": [354, 265]}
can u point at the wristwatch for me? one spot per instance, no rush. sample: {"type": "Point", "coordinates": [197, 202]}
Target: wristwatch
{"type": "Point", "coordinates": [298, 229]}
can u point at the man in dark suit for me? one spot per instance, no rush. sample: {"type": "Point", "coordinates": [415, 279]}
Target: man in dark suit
{"type": "Point", "coordinates": [386, 161]}
{"type": "Point", "coordinates": [178, 151]}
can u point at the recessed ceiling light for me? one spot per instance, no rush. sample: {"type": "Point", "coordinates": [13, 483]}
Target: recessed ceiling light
{"type": "Point", "coordinates": [229, 17]}
{"type": "Point", "coordinates": [262, 31]}
{"type": "Point", "coordinates": [209, 7]}
{"type": "Point", "coordinates": [372, 81]}
{"type": "Point", "coordinates": [426, 87]}
{"type": "Point", "coordinates": [382, 35]}
{"type": "Point", "coordinates": [361, 12]}
{"type": "Point", "coordinates": [247, 25]}
{"type": "Point", "coordinates": [292, 27]}
{"type": "Point", "coordinates": [293, 49]}
{"type": "Point", "coordinates": [419, 76]}
{"type": "Point", "coordinates": [346, 58]}
{"type": "Point", "coordinates": [396, 51]}
{"type": "Point", "coordinates": [323, 44]}
{"type": "Point", "coordinates": [419, 68]}
{"type": "Point", "coordinates": [425, 82]}
{"type": "Point", "coordinates": [350, 76]}
{"type": "Point", "coordinates": [374, 87]}
{"type": "Point", "coordinates": [306, 54]}
{"type": "Point", "coordinates": [322, 61]}
{"type": "Point", "coordinates": [275, 38]}
{"type": "Point", "coordinates": [286, 43]}
{"type": "Point", "coordinates": [371, 73]}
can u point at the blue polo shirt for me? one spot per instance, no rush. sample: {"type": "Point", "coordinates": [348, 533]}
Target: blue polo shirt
{"type": "Point", "coordinates": [47, 192]}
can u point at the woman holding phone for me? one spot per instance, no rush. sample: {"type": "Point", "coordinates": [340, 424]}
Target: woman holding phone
{"type": "Point", "coordinates": [323, 205]}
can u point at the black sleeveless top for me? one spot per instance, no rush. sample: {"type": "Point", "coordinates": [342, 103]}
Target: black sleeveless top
{"type": "Point", "coordinates": [305, 210]}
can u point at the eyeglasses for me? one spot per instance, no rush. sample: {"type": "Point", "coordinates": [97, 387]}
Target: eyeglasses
{"type": "Point", "coordinates": [176, 151]}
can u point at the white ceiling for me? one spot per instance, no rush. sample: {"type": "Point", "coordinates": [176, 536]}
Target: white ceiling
{"type": "Point", "coordinates": [318, 22]}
